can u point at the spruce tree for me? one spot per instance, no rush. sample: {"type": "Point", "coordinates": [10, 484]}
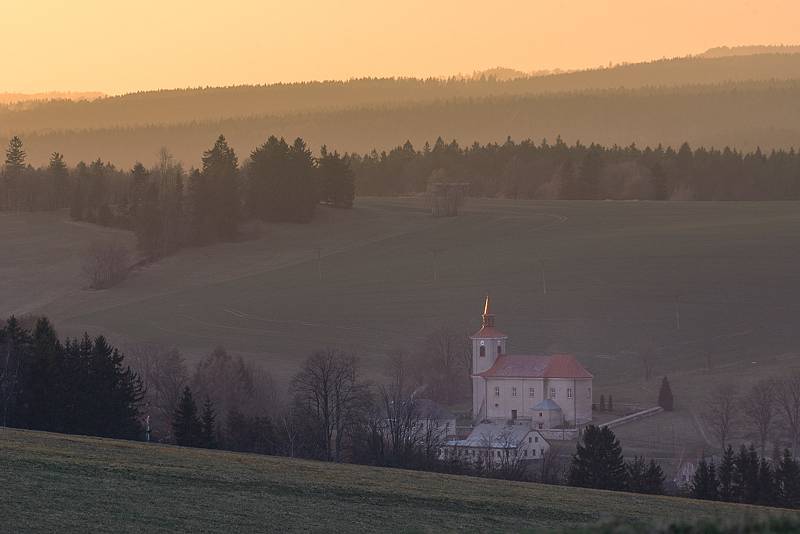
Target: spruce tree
{"type": "Point", "coordinates": [700, 485]}
{"type": "Point", "coordinates": [14, 168]}
{"type": "Point", "coordinates": [221, 173]}
{"type": "Point", "coordinates": [665, 399]}
{"type": "Point", "coordinates": [726, 475]}
{"type": "Point", "coordinates": [598, 461]}
{"type": "Point", "coordinates": [186, 426]}
{"type": "Point", "coordinates": [787, 481]}
{"type": "Point", "coordinates": [610, 403]}
{"type": "Point", "coordinates": [602, 403]}
{"type": "Point", "coordinates": [208, 430]}
{"type": "Point", "coordinates": [58, 175]}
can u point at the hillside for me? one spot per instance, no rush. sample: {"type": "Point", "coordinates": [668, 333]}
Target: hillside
{"type": "Point", "coordinates": [215, 103]}
{"type": "Point", "coordinates": [744, 115]}
{"type": "Point", "coordinates": [614, 271]}
{"type": "Point", "coordinates": [89, 484]}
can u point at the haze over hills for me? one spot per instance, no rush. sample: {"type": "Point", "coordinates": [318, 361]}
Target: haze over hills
{"type": "Point", "coordinates": [728, 51]}
{"type": "Point", "coordinates": [16, 98]}
{"type": "Point", "coordinates": [743, 101]}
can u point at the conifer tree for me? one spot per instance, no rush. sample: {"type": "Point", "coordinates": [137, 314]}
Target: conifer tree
{"type": "Point", "coordinates": [14, 168]}
{"type": "Point", "coordinates": [700, 485]}
{"type": "Point", "coordinates": [208, 431]}
{"type": "Point", "coordinates": [665, 399]}
{"type": "Point", "coordinates": [787, 481]}
{"type": "Point", "coordinates": [221, 173]}
{"type": "Point", "coordinates": [58, 175]}
{"type": "Point", "coordinates": [186, 426]}
{"type": "Point", "coordinates": [598, 461]}
{"type": "Point", "coordinates": [726, 475]}
{"type": "Point", "coordinates": [602, 403]}
{"type": "Point", "coordinates": [610, 403]}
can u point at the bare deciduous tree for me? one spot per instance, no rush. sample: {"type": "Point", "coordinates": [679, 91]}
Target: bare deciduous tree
{"type": "Point", "coordinates": [164, 374]}
{"type": "Point", "coordinates": [328, 391]}
{"type": "Point", "coordinates": [720, 412]}
{"type": "Point", "coordinates": [443, 365]}
{"type": "Point", "coordinates": [105, 264]}
{"type": "Point", "coordinates": [234, 384]}
{"type": "Point", "coordinates": [758, 406]}
{"type": "Point", "coordinates": [788, 399]}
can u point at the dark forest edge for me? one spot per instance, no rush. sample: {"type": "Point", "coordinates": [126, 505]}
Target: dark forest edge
{"type": "Point", "coordinates": [169, 208]}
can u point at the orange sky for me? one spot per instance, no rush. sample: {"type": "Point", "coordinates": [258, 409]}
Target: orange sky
{"type": "Point", "coordinates": [123, 45]}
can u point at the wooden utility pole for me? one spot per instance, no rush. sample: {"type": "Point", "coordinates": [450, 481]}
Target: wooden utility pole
{"type": "Point", "coordinates": [435, 253]}
{"type": "Point", "coordinates": [544, 279]}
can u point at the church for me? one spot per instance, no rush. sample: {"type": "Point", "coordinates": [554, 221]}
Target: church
{"type": "Point", "coordinates": [520, 401]}
{"type": "Point", "coordinates": [548, 390]}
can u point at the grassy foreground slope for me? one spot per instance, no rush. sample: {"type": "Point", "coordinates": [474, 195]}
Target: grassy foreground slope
{"type": "Point", "coordinates": [53, 482]}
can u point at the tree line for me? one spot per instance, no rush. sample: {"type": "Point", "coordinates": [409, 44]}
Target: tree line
{"type": "Point", "coordinates": [767, 413]}
{"type": "Point", "coordinates": [746, 477]}
{"type": "Point", "coordinates": [580, 172]}
{"type": "Point", "coordinates": [169, 207]}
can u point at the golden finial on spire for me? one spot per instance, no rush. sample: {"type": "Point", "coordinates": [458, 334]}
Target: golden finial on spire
{"type": "Point", "coordinates": [486, 305]}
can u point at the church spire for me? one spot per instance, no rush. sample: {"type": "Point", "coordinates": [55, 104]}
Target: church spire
{"type": "Point", "coordinates": [487, 319]}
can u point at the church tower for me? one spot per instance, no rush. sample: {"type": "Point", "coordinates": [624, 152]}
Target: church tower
{"type": "Point", "coordinates": [488, 344]}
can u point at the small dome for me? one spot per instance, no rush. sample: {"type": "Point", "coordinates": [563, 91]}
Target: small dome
{"type": "Point", "coordinates": [547, 405]}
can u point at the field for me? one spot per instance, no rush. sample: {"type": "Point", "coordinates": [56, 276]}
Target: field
{"type": "Point", "coordinates": [689, 278]}
{"type": "Point", "coordinates": [54, 482]}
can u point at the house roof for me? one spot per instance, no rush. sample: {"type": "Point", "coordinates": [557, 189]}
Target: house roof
{"type": "Point", "coordinates": [536, 366]}
{"type": "Point", "coordinates": [489, 332]}
{"type": "Point", "coordinates": [496, 436]}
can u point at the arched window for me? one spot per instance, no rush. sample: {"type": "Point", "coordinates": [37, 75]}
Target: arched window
{"type": "Point", "coordinates": [499, 349]}
{"type": "Point", "coordinates": [482, 351]}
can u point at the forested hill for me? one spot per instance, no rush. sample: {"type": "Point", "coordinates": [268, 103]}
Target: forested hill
{"type": "Point", "coordinates": [204, 104]}
{"type": "Point", "coordinates": [740, 115]}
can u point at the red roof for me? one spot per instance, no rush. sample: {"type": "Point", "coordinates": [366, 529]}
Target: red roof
{"type": "Point", "coordinates": [488, 332]}
{"type": "Point", "coordinates": [536, 366]}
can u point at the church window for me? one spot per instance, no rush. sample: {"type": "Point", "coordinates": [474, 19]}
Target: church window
{"type": "Point", "coordinates": [533, 452]}
{"type": "Point", "coordinates": [537, 439]}
{"type": "Point", "coordinates": [497, 391]}
{"type": "Point", "coordinates": [482, 351]}
{"type": "Point", "coordinates": [530, 439]}
{"type": "Point", "coordinates": [569, 393]}
{"type": "Point", "coordinates": [541, 451]}
{"type": "Point", "coordinates": [513, 392]}
{"type": "Point", "coordinates": [552, 393]}
{"type": "Point", "coordinates": [589, 393]}
{"type": "Point", "coordinates": [499, 350]}
{"type": "Point", "coordinates": [531, 392]}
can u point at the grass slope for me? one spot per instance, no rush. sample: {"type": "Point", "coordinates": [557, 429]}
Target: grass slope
{"type": "Point", "coordinates": [53, 482]}
{"type": "Point", "coordinates": [614, 271]}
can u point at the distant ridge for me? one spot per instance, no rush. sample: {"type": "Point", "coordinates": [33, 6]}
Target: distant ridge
{"type": "Point", "coordinates": [16, 98]}
{"type": "Point", "coordinates": [748, 50]}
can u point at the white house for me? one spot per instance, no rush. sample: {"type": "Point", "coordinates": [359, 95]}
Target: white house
{"type": "Point", "coordinates": [499, 444]}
